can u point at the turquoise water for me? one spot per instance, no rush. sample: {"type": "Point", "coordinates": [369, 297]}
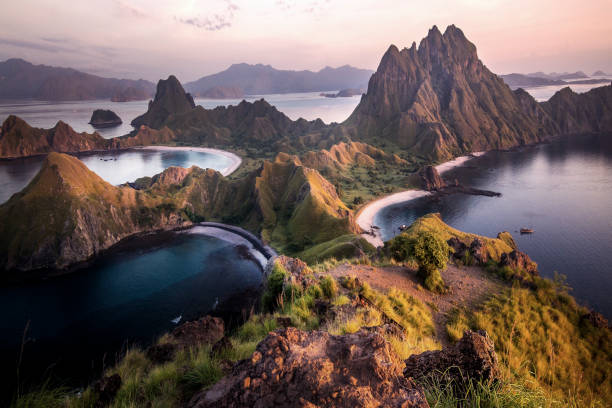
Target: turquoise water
{"type": "Point", "coordinates": [125, 298]}
{"type": "Point", "coordinates": [562, 190]}
{"type": "Point", "coordinates": [114, 167]}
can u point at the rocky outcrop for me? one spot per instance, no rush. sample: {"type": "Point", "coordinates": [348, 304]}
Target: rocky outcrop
{"type": "Point", "coordinates": [18, 139]}
{"type": "Point", "coordinates": [102, 118]}
{"type": "Point", "coordinates": [106, 389]}
{"type": "Point", "coordinates": [296, 368]}
{"type": "Point", "coordinates": [519, 261]}
{"type": "Point", "coordinates": [472, 357]}
{"type": "Point", "coordinates": [596, 320]}
{"type": "Point", "coordinates": [207, 330]}
{"type": "Point", "coordinates": [222, 92]}
{"type": "Point", "coordinates": [170, 99]}
{"type": "Point", "coordinates": [430, 179]}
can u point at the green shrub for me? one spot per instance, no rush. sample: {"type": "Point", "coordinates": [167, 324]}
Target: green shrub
{"type": "Point", "coordinates": [274, 288]}
{"type": "Point", "coordinates": [329, 287]}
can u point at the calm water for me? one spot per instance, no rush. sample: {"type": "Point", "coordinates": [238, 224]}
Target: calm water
{"type": "Point", "coordinates": [114, 167]}
{"type": "Point", "coordinates": [563, 191]}
{"type": "Point", "coordinates": [77, 114]}
{"type": "Point", "coordinates": [125, 298]}
{"type": "Point", "coordinates": [543, 93]}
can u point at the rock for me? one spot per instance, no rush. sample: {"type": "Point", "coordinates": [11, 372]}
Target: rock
{"type": "Point", "coordinates": [106, 388]}
{"type": "Point", "coordinates": [161, 353]}
{"type": "Point", "coordinates": [508, 239]}
{"type": "Point", "coordinates": [101, 118]}
{"type": "Point", "coordinates": [206, 330]}
{"type": "Point", "coordinates": [478, 250]}
{"type": "Point", "coordinates": [596, 319]}
{"type": "Point", "coordinates": [519, 260]}
{"type": "Point", "coordinates": [291, 367]}
{"type": "Point", "coordinates": [473, 357]}
{"type": "Point", "coordinates": [430, 179]}
{"type": "Point", "coordinates": [222, 346]}
{"type": "Point", "coordinates": [283, 321]}
{"type": "Point", "coordinates": [170, 99]}
{"type": "Point", "coordinates": [457, 246]}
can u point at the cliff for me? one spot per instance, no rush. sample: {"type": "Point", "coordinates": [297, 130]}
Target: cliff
{"type": "Point", "coordinates": [439, 100]}
{"type": "Point", "coordinates": [18, 139]}
{"type": "Point", "coordinates": [170, 99]}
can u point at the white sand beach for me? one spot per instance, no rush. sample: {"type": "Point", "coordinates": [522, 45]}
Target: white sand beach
{"type": "Point", "coordinates": [366, 216]}
{"type": "Point", "coordinates": [235, 159]}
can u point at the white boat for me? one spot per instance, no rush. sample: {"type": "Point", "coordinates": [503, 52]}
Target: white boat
{"type": "Point", "coordinates": [176, 320]}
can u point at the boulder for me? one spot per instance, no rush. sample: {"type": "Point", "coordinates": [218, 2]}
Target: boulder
{"type": "Point", "coordinates": [478, 250]}
{"type": "Point", "coordinates": [430, 179]}
{"type": "Point", "coordinates": [596, 319]}
{"type": "Point", "coordinates": [457, 246]}
{"type": "Point", "coordinates": [294, 368]}
{"type": "Point", "coordinates": [101, 118]}
{"type": "Point", "coordinates": [472, 357]}
{"type": "Point", "coordinates": [206, 330]}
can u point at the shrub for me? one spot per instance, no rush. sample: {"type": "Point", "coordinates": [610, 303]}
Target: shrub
{"type": "Point", "coordinates": [275, 284]}
{"type": "Point", "coordinates": [329, 287]}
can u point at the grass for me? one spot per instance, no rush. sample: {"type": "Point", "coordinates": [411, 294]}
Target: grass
{"type": "Point", "coordinates": [541, 340]}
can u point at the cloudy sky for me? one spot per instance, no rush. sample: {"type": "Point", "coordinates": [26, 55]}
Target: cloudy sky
{"type": "Point", "coordinates": [192, 38]}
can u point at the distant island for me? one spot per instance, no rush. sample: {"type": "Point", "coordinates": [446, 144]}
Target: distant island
{"type": "Point", "coordinates": [263, 79]}
{"type": "Point", "coordinates": [600, 73]}
{"type": "Point", "coordinates": [102, 118]}
{"type": "Point", "coordinates": [345, 93]}
{"type": "Point", "coordinates": [20, 79]}
{"type": "Point", "coordinates": [515, 80]}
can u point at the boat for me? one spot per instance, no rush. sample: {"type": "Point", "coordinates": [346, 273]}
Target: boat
{"type": "Point", "coordinates": [176, 320]}
{"type": "Point", "coordinates": [526, 231]}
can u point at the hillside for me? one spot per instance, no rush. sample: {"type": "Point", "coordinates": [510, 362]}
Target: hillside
{"type": "Point", "coordinates": [263, 79]}
{"type": "Point", "coordinates": [68, 214]}
{"type": "Point", "coordinates": [20, 79]}
{"type": "Point", "coordinates": [525, 81]}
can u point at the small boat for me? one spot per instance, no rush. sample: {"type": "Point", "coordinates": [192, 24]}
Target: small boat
{"type": "Point", "coordinates": [176, 320]}
{"type": "Point", "coordinates": [526, 231]}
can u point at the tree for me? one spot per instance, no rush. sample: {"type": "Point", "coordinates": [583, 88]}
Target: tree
{"type": "Point", "coordinates": [429, 251]}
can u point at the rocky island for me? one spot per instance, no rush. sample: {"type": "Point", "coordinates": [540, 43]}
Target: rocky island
{"type": "Point", "coordinates": [101, 118]}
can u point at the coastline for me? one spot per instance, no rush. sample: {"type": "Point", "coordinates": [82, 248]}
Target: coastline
{"type": "Point", "coordinates": [236, 160]}
{"type": "Point", "coordinates": [365, 217]}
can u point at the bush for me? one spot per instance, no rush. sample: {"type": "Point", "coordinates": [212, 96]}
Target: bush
{"type": "Point", "coordinates": [430, 252]}
{"type": "Point", "coordinates": [329, 287]}
{"type": "Point", "coordinates": [275, 284]}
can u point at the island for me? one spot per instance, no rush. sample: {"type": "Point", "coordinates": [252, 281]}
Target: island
{"type": "Point", "coordinates": [103, 118]}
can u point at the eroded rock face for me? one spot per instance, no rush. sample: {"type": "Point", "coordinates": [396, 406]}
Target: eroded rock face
{"type": "Point", "coordinates": [519, 260]}
{"type": "Point", "coordinates": [431, 179]}
{"type": "Point", "coordinates": [478, 249]}
{"type": "Point", "coordinates": [206, 330]}
{"type": "Point", "coordinates": [472, 357]}
{"type": "Point", "coordinates": [294, 368]}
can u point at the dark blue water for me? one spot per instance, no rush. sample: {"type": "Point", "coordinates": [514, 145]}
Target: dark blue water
{"type": "Point", "coordinates": [562, 190]}
{"type": "Point", "coordinates": [77, 323]}
{"type": "Point", "coordinates": [114, 167]}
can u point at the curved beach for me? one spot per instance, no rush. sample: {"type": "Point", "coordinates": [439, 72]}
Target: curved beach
{"type": "Point", "coordinates": [236, 161]}
{"type": "Point", "coordinates": [366, 216]}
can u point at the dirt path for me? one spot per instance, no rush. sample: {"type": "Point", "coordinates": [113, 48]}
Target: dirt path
{"type": "Point", "coordinates": [469, 286]}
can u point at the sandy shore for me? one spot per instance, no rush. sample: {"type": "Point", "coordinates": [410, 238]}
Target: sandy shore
{"type": "Point", "coordinates": [366, 216]}
{"type": "Point", "coordinates": [234, 158]}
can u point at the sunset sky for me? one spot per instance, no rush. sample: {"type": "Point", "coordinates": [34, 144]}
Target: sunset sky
{"type": "Point", "coordinates": [154, 38]}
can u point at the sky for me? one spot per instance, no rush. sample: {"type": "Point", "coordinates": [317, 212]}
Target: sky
{"type": "Point", "coordinates": [151, 39]}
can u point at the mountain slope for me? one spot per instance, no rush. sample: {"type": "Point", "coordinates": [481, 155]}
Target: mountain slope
{"type": "Point", "coordinates": [264, 79]}
{"type": "Point", "coordinates": [439, 100]}
{"type": "Point", "coordinates": [20, 79]}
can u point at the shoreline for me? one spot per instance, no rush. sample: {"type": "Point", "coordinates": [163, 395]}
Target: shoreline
{"type": "Point", "coordinates": [366, 215]}
{"type": "Point", "coordinates": [236, 160]}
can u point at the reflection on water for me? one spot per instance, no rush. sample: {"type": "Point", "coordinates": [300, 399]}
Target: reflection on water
{"type": "Point", "coordinates": [114, 167]}
{"type": "Point", "coordinates": [77, 114]}
{"type": "Point", "coordinates": [127, 297]}
{"type": "Point", "coordinates": [562, 190]}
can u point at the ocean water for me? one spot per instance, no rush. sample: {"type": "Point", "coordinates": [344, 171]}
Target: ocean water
{"type": "Point", "coordinates": [114, 167]}
{"type": "Point", "coordinates": [543, 93]}
{"type": "Point", "coordinates": [74, 324]}
{"type": "Point", "coordinates": [77, 114]}
{"type": "Point", "coordinates": [561, 190]}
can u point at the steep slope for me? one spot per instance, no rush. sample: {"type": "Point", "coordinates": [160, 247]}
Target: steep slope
{"type": "Point", "coordinates": [581, 113]}
{"type": "Point", "coordinates": [170, 99]}
{"type": "Point", "coordinates": [439, 100]}
{"type": "Point", "coordinates": [18, 139]}
{"type": "Point", "coordinates": [68, 214]}
{"type": "Point", "coordinates": [344, 154]}
{"type": "Point", "coordinates": [20, 79]}
{"type": "Point", "coordinates": [264, 79]}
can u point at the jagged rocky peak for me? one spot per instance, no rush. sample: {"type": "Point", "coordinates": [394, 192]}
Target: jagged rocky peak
{"type": "Point", "coordinates": [170, 99]}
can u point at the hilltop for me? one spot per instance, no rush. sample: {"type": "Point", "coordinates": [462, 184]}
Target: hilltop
{"type": "Point", "coordinates": [20, 79]}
